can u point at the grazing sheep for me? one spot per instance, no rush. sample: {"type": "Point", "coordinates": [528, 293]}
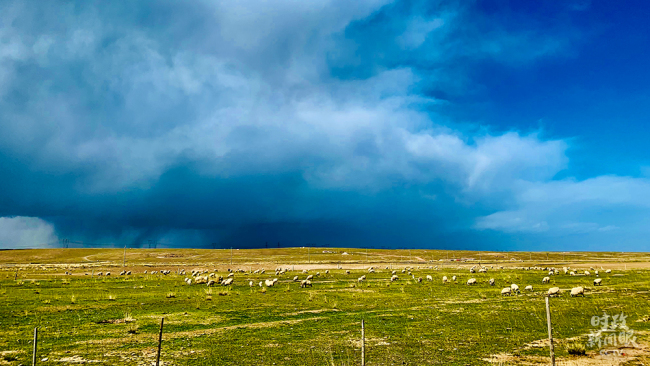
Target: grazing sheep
{"type": "Point", "coordinates": [128, 273]}
{"type": "Point", "coordinates": [554, 291]}
{"type": "Point", "coordinates": [506, 291]}
{"type": "Point", "coordinates": [201, 280]}
{"type": "Point", "coordinates": [453, 278]}
{"type": "Point", "coordinates": [471, 270]}
{"type": "Point", "coordinates": [310, 277]}
{"type": "Point", "coordinates": [145, 271]}
{"type": "Point", "coordinates": [211, 282]}
{"type": "Point", "coordinates": [393, 273]}
{"type": "Point", "coordinates": [419, 279]}
{"type": "Point", "coordinates": [305, 283]}
{"type": "Point", "coordinates": [596, 273]}
{"type": "Point", "coordinates": [228, 281]}
{"type": "Point", "coordinates": [515, 288]}
{"type": "Point", "coordinates": [546, 280]}
{"type": "Point", "coordinates": [269, 283]}
{"type": "Point", "coordinates": [429, 278]}
{"type": "Point", "coordinates": [347, 272]}
{"type": "Point", "coordinates": [598, 282]}
{"type": "Point", "coordinates": [491, 282]}
{"type": "Point", "coordinates": [108, 273]}
{"type": "Point", "coordinates": [444, 279]}
{"type": "Point", "coordinates": [482, 270]}
{"type": "Point", "coordinates": [528, 288]}
{"type": "Point", "coordinates": [471, 281]}
{"type": "Point", "coordinates": [361, 279]}
{"type": "Point", "coordinates": [295, 279]}
{"type": "Point", "coordinates": [261, 284]}
{"type": "Point", "coordinates": [231, 274]}
{"type": "Point", "coordinates": [587, 273]}
{"type": "Point", "coordinates": [403, 271]}
{"type": "Point", "coordinates": [608, 271]}
{"type": "Point", "coordinates": [394, 278]}
{"type": "Point", "coordinates": [121, 273]}
{"type": "Point", "coordinates": [577, 291]}
{"type": "Point", "coordinates": [572, 273]}
{"type": "Point", "coordinates": [250, 283]}
{"type": "Point", "coordinates": [304, 271]}
{"type": "Point", "coordinates": [189, 281]}
{"type": "Point", "coordinates": [327, 271]}
{"type": "Point", "coordinates": [99, 273]}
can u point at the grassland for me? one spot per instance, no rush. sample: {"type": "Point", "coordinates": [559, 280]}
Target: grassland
{"type": "Point", "coordinates": [84, 318]}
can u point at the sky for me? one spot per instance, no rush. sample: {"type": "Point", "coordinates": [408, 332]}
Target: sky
{"type": "Point", "coordinates": [487, 125]}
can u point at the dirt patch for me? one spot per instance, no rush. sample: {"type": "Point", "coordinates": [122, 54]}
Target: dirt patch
{"type": "Point", "coordinates": [310, 312]}
{"type": "Point", "coordinates": [610, 357]}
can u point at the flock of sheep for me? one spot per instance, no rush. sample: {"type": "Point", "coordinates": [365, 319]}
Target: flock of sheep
{"type": "Point", "coordinates": [212, 278]}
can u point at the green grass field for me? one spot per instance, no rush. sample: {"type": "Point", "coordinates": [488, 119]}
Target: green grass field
{"type": "Point", "coordinates": [84, 318]}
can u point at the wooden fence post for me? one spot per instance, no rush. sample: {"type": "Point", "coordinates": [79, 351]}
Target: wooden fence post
{"type": "Point", "coordinates": [162, 321]}
{"type": "Point", "coordinates": [35, 343]}
{"type": "Point", "coordinates": [550, 334]}
{"type": "Point", "coordinates": [363, 344]}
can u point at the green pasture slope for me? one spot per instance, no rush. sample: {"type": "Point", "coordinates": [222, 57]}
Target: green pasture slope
{"type": "Point", "coordinates": [115, 320]}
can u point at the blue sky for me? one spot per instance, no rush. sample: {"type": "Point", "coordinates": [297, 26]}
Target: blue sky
{"type": "Point", "coordinates": [488, 125]}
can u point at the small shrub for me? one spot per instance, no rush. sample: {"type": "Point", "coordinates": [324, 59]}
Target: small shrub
{"type": "Point", "coordinates": [577, 349]}
{"type": "Point", "coordinates": [132, 329]}
{"type": "Point", "coordinates": [73, 299]}
{"type": "Point", "coordinates": [112, 297]}
{"type": "Point", "coordinates": [10, 357]}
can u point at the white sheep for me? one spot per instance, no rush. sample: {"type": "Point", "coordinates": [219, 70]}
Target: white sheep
{"type": "Point", "coordinates": [491, 282]}
{"type": "Point", "coordinates": [608, 271]}
{"type": "Point", "coordinates": [347, 272]}
{"type": "Point", "coordinates": [269, 283]}
{"type": "Point", "coordinates": [228, 281]}
{"type": "Point", "coordinates": [546, 280]}
{"type": "Point", "coordinates": [515, 288]}
{"type": "Point", "coordinates": [444, 279]}
{"type": "Point", "coordinates": [295, 278]}
{"type": "Point", "coordinates": [211, 282]}
{"type": "Point", "coordinates": [587, 273]}
{"type": "Point", "coordinates": [393, 273]}
{"type": "Point", "coordinates": [419, 279]}
{"type": "Point", "coordinates": [453, 278]}
{"type": "Point", "coordinates": [554, 291]}
{"type": "Point", "coordinates": [250, 283]}
{"type": "Point", "coordinates": [471, 281]}
{"type": "Point", "coordinates": [305, 283]}
{"type": "Point", "coordinates": [506, 291]}
{"type": "Point", "coordinates": [394, 278]}
{"type": "Point", "coordinates": [598, 282]}
{"type": "Point", "coordinates": [528, 288]}
{"type": "Point", "coordinates": [108, 273]}
{"type": "Point", "coordinates": [596, 273]}
{"type": "Point", "coordinates": [128, 273]}
{"type": "Point", "coordinates": [310, 277]}
{"type": "Point", "coordinates": [572, 273]}
{"type": "Point", "coordinates": [577, 291]}
{"type": "Point", "coordinates": [361, 279]}
{"type": "Point", "coordinates": [429, 278]}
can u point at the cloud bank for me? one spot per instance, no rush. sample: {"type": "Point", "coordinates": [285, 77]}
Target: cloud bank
{"type": "Point", "coordinates": [241, 123]}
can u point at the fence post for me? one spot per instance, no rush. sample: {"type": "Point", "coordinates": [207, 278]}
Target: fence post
{"type": "Point", "coordinates": [35, 343]}
{"type": "Point", "coordinates": [550, 334]}
{"type": "Point", "coordinates": [363, 344]}
{"type": "Point", "coordinates": [162, 321]}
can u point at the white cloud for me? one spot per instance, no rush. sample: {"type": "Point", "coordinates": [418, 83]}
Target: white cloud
{"type": "Point", "coordinates": [26, 232]}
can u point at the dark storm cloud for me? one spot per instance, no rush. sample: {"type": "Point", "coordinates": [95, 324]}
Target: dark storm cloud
{"type": "Point", "coordinates": [241, 123]}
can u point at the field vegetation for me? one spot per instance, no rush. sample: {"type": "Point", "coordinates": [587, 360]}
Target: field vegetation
{"type": "Point", "coordinates": [114, 320]}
